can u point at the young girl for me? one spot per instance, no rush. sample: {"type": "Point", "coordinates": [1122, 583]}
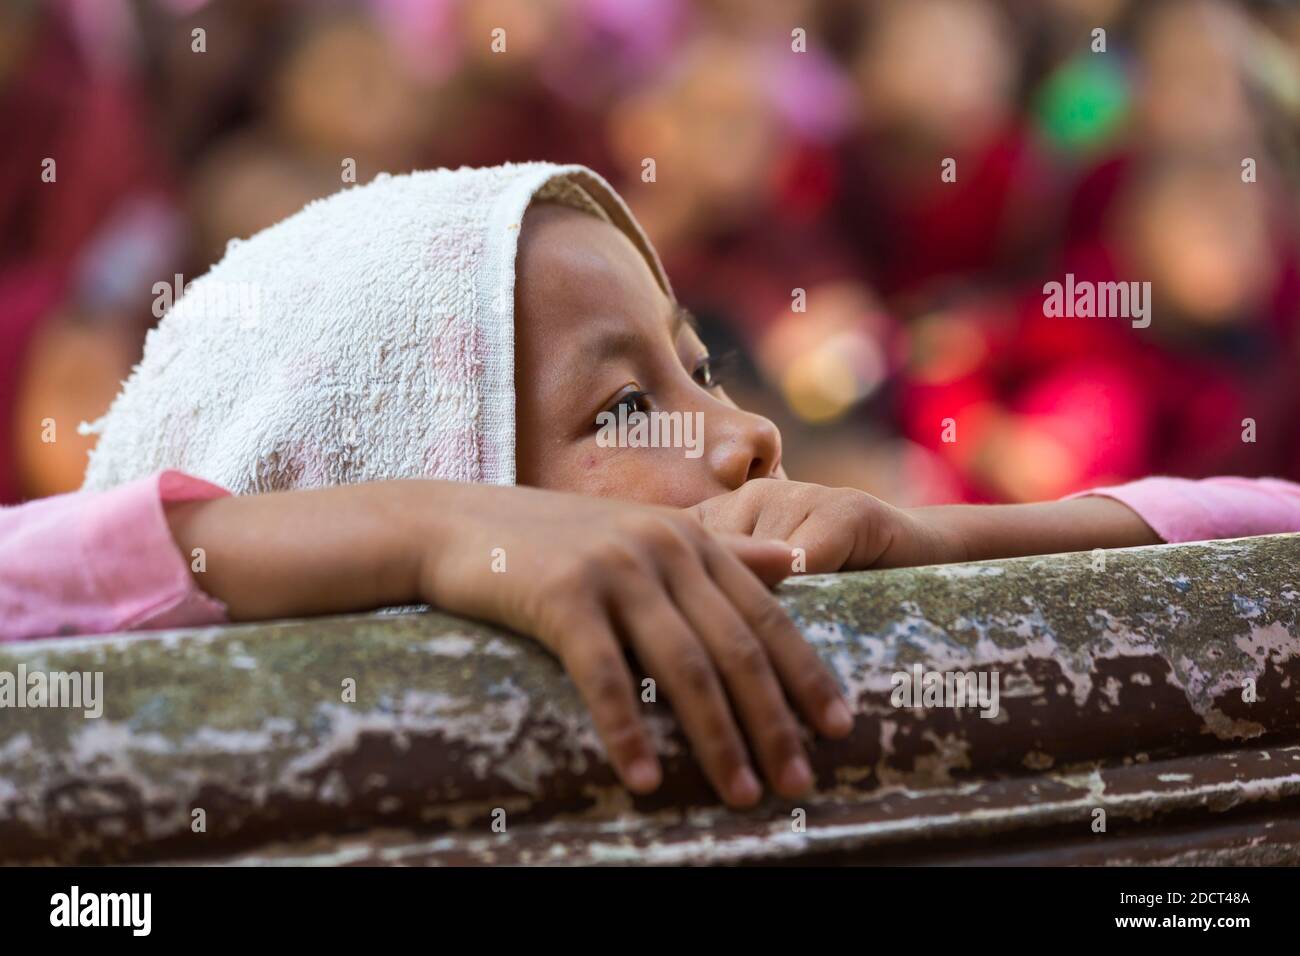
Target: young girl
{"type": "Point", "coordinates": [402, 386]}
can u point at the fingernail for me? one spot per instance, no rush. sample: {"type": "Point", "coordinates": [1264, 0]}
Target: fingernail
{"type": "Point", "coordinates": [745, 787]}
{"type": "Point", "coordinates": [837, 717]}
{"type": "Point", "coordinates": [797, 776]}
{"type": "Point", "coordinates": [643, 775]}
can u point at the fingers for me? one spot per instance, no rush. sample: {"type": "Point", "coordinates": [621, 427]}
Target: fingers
{"type": "Point", "coordinates": [802, 673]}
{"type": "Point", "coordinates": [770, 560]}
{"type": "Point", "coordinates": [711, 634]}
{"type": "Point", "coordinates": [771, 510]}
{"type": "Point", "coordinates": [780, 517]}
{"type": "Point", "coordinates": [671, 652]}
{"type": "Point", "coordinates": [827, 544]}
{"type": "Point", "coordinates": [731, 513]}
{"type": "Point", "coordinates": [852, 537]}
{"type": "Point", "coordinates": [594, 659]}
{"type": "Point", "coordinates": [750, 680]}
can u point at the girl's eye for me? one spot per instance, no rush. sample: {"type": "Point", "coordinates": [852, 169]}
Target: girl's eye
{"type": "Point", "coordinates": [707, 372]}
{"type": "Point", "coordinates": [633, 400]}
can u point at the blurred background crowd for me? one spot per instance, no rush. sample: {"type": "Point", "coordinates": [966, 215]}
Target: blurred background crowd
{"type": "Point", "coordinates": [774, 171]}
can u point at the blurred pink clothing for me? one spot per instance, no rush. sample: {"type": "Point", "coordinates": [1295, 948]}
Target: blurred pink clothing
{"type": "Point", "coordinates": [92, 563]}
{"type": "Point", "coordinates": [1179, 509]}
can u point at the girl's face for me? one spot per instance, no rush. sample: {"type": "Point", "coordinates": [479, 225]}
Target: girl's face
{"type": "Point", "coordinates": [594, 331]}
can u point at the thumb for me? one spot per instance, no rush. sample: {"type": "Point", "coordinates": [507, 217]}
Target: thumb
{"type": "Point", "coordinates": [697, 512]}
{"type": "Point", "coordinates": [769, 559]}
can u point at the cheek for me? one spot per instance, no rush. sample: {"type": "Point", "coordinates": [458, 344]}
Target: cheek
{"type": "Point", "coordinates": [647, 476]}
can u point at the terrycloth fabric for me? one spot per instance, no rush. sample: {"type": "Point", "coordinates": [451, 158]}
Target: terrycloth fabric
{"type": "Point", "coordinates": [368, 336]}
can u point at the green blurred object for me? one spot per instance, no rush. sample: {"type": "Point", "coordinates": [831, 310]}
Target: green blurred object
{"type": "Point", "coordinates": [1083, 102]}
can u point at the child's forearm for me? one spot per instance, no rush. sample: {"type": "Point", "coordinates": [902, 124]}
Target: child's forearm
{"type": "Point", "coordinates": [311, 552]}
{"type": "Point", "coordinates": [589, 578]}
{"type": "Point", "coordinates": [980, 532]}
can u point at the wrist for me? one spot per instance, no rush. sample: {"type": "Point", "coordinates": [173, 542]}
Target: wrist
{"type": "Point", "coordinates": [982, 532]}
{"type": "Point", "coordinates": [922, 536]}
{"type": "Point", "coordinates": [423, 516]}
{"type": "Point", "coordinates": [449, 542]}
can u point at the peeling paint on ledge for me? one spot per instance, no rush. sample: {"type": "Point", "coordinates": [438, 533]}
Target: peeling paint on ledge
{"type": "Point", "coordinates": [1108, 677]}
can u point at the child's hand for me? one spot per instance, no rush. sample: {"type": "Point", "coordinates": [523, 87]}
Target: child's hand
{"type": "Point", "coordinates": [838, 529]}
{"type": "Point", "coordinates": [585, 576]}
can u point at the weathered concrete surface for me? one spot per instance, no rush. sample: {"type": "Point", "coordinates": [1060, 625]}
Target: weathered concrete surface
{"type": "Point", "coordinates": [1238, 807]}
{"type": "Point", "coordinates": [1121, 689]}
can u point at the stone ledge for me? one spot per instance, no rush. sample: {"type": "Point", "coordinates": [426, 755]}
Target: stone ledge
{"type": "Point", "coordinates": [1120, 689]}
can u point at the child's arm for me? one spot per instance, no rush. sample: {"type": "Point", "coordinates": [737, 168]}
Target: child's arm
{"type": "Point", "coordinates": [1182, 510]}
{"type": "Point", "coordinates": [844, 529]}
{"type": "Point", "coordinates": [584, 576]}
{"type": "Point", "coordinates": [980, 532]}
{"type": "Point", "coordinates": [1150, 511]}
{"type": "Point", "coordinates": [92, 563]}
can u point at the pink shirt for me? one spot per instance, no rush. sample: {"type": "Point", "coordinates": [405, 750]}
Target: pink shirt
{"type": "Point", "coordinates": [1179, 509]}
{"type": "Point", "coordinates": [89, 563]}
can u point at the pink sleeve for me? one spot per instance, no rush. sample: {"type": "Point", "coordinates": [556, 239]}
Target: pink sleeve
{"type": "Point", "coordinates": [96, 562]}
{"type": "Point", "coordinates": [1178, 509]}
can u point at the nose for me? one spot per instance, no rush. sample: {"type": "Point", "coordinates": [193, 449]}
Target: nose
{"type": "Point", "coordinates": [740, 445]}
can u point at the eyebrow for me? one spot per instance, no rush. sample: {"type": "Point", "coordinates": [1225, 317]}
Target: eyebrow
{"type": "Point", "coordinates": [682, 316]}
{"type": "Point", "coordinates": [620, 342]}
{"type": "Point", "coordinates": [607, 346]}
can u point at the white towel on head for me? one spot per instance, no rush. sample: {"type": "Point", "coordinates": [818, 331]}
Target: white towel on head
{"type": "Point", "coordinates": [368, 336]}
